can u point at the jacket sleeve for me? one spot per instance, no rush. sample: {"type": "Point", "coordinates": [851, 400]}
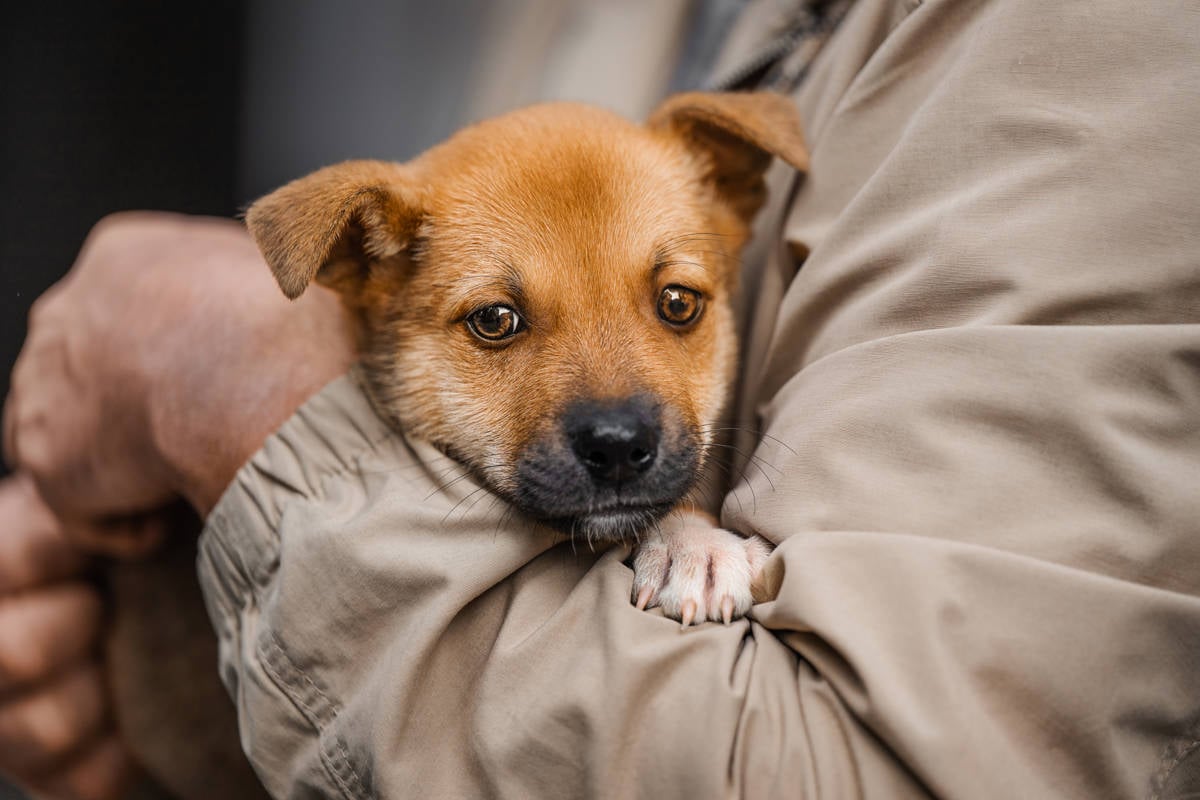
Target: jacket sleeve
{"type": "Point", "coordinates": [976, 414]}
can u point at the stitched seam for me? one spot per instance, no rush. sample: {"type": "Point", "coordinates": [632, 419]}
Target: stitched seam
{"type": "Point", "coordinates": [332, 705]}
{"type": "Point", "coordinates": [315, 715]}
{"type": "Point", "coordinates": [333, 769]}
{"type": "Point", "coordinates": [338, 762]}
{"type": "Point", "coordinates": [1173, 756]}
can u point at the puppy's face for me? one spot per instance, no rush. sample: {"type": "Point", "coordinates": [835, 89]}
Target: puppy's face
{"type": "Point", "coordinates": [545, 296]}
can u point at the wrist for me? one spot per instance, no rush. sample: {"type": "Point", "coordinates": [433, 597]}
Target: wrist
{"type": "Point", "coordinates": [210, 419]}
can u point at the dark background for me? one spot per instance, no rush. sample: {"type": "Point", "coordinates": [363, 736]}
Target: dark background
{"type": "Point", "coordinates": [107, 107]}
{"type": "Point", "coordinates": [201, 108]}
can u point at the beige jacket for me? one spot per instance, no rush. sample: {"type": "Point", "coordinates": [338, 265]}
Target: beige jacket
{"type": "Point", "coordinates": [980, 400]}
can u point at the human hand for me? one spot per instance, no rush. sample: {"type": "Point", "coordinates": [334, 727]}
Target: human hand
{"type": "Point", "coordinates": [158, 365]}
{"type": "Point", "coordinates": [56, 734]}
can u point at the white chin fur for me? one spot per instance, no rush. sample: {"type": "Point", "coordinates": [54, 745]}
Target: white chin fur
{"type": "Point", "coordinates": [616, 526]}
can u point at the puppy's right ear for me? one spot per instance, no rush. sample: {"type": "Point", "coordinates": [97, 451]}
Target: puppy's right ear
{"type": "Point", "coordinates": [736, 134]}
{"type": "Point", "coordinates": [333, 224]}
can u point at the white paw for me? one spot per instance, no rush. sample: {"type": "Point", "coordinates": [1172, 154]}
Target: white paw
{"type": "Point", "coordinates": [697, 572]}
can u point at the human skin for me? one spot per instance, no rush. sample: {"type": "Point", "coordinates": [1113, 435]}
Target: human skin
{"type": "Point", "coordinates": [56, 737]}
{"type": "Point", "coordinates": [152, 371]}
{"type": "Point", "coordinates": [158, 365]}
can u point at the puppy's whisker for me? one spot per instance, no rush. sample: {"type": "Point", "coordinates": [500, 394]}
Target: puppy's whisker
{"type": "Point", "coordinates": [750, 458]}
{"type": "Point", "coordinates": [505, 516]}
{"type": "Point", "coordinates": [468, 472]}
{"type": "Point", "coordinates": [470, 494]}
{"type": "Point", "coordinates": [728, 466]}
{"type": "Point", "coordinates": [738, 499]}
{"type": "Point", "coordinates": [491, 507]}
{"type": "Point", "coordinates": [711, 458]}
{"type": "Point", "coordinates": [704, 490]}
{"type": "Point", "coordinates": [444, 472]}
{"type": "Point", "coordinates": [711, 461]}
{"type": "Point", "coordinates": [751, 431]}
{"type": "Point", "coordinates": [475, 502]}
{"type": "Point", "coordinates": [761, 462]}
{"type": "Point", "coordinates": [765, 475]}
{"type": "Point", "coordinates": [442, 487]}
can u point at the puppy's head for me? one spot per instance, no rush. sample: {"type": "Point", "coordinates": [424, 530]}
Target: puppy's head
{"type": "Point", "coordinates": [545, 296]}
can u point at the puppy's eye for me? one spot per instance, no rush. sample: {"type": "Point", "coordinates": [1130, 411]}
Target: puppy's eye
{"type": "Point", "coordinates": [679, 306]}
{"type": "Point", "coordinates": [494, 323]}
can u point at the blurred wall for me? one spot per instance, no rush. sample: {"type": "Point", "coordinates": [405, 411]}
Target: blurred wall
{"type": "Point", "coordinates": [325, 82]}
{"type": "Point", "coordinates": [103, 107]}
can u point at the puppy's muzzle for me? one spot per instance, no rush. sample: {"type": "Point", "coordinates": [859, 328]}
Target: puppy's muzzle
{"type": "Point", "coordinates": [608, 468]}
{"type": "Point", "coordinates": [616, 443]}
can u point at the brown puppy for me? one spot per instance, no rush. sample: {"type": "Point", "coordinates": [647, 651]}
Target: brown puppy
{"type": "Point", "coordinates": [546, 298]}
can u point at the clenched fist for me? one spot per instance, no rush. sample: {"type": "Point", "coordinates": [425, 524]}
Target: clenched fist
{"type": "Point", "coordinates": [56, 735]}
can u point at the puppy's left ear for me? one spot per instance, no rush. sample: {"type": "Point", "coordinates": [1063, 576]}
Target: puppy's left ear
{"type": "Point", "coordinates": [736, 134]}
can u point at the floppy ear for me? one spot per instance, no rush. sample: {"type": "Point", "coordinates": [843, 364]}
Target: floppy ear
{"type": "Point", "coordinates": [736, 134]}
{"type": "Point", "coordinates": [333, 224]}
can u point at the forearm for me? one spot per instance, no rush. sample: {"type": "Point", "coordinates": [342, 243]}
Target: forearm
{"type": "Point", "coordinates": [209, 419]}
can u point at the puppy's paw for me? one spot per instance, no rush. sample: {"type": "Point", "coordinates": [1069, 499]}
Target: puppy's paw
{"type": "Point", "coordinates": [696, 571]}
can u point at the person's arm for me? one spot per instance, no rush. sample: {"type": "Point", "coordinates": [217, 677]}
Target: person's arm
{"type": "Point", "coordinates": [159, 364]}
{"type": "Point", "coordinates": [153, 370]}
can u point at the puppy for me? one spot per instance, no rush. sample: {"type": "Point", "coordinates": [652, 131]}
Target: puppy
{"type": "Point", "coordinates": [545, 297]}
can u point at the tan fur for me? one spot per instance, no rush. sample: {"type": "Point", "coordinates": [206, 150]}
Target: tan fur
{"type": "Point", "coordinates": [586, 215]}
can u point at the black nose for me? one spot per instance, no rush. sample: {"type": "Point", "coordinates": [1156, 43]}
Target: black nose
{"type": "Point", "coordinates": [616, 442]}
